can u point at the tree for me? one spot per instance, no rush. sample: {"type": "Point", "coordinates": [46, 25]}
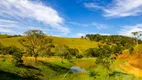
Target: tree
{"type": "Point", "coordinates": [116, 50]}
{"type": "Point", "coordinates": [92, 52]}
{"type": "Point", "coordinates": [35, 42]}
{"type": "Point", "coordinates": [73, 52]}
{"type": "Point", "coordinates": [63, 51]}
{"type": "Point", "coordinates": [104, 57]}
{"type": "Point", "coordinates": [137, 35]}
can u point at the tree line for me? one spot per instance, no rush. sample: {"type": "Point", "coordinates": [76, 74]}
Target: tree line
{"type": "Point", "coordinates": [119, 40]}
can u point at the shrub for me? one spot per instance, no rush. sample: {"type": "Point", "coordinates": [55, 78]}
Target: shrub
{"type": "Point", "coordinates": [79, 56]}
{"type": "Point", "coordinates": [17, 56]}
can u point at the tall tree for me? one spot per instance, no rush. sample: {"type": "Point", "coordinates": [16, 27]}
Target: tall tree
{"type": "Point", "coordinates": [137, 35]}
{"type": "Point", "coordinates": [35, 42]}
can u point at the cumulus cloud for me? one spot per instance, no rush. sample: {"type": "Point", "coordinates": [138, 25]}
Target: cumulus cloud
{"type": "Point", "coordinates": [15, 27]}
{"type": "Point", "coordinates": [22, 10]}
{"type": "Point", "coordinates": [119, 8]}
{"type": "Point", "coordinates": [127, 30]}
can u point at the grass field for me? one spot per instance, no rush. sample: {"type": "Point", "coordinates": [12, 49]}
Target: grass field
{"type": "Point", "coordinates": [81, 44]}
{"type": "Point", "coordinates": [53, 69]}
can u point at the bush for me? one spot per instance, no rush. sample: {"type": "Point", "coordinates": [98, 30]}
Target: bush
{"type": "Point", "coordinates": [79, 56]}
{"type": "Point", "coordinates": [17, 56]}
{"type": "Point", "coordinates": [93, 74]}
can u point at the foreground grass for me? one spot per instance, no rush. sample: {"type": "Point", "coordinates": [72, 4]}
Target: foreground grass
{"type": "Point", "coordinates": [53, 69]}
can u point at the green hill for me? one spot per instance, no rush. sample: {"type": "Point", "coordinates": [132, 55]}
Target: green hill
{"type": "Point", "coordinates": [81, 44]}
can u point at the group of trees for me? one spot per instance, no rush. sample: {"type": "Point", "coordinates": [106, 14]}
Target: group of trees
{"type": "Point", "coordinates": [65, 52]}
{"type": "Point", "coordinates": [35, 44]}
{"type": "Point", "coordinates": [8, 36]}
{"type": "Point", "coordinates": [104, 52]}
{"type": "Point", "coordinates": [124, 41]}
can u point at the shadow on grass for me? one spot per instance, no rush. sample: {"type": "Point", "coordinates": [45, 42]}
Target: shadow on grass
{"type": "Point", "coordinates": [32, 73]}
{"type": "Point", "coordinates": [28, 67]}
{"type": "Point", "coordinates": [9, 76]}
{"type": "Point", "coordinates": [29, 73]}
{"type": "Point", "coordinates": [59, 69]}
{"type": "Point", "coordinates": [117, 73]}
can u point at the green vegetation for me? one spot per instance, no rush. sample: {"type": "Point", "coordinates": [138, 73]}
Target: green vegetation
{"type": "Point", "coordinates": [36, 56]}
{"type": "Point", "coordinates": [118, 40]}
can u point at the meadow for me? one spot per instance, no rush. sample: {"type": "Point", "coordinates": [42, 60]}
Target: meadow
{"type": "Point", "coordinates": [81, 44]}
{"type": "Point", "coordinates": [52, 68]}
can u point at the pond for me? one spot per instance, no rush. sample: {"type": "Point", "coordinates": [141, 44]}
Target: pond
{"type": "Point", "coordinates": [77, 69]}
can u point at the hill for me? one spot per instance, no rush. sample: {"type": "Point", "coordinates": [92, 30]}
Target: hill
{"type": "Point", "coordinates": [81, 44]}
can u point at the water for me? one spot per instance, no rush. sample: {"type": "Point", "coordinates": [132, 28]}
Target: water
{"type": "Point", "coordinates": [77, 69]}
{"type": "Point", "coordinates": [74, 69]}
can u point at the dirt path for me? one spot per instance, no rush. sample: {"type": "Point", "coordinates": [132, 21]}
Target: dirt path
{"type": "Point", "coordinates": [132, 70]}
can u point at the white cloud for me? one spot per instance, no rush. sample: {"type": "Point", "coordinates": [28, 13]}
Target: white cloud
{"type": "Point", "coordinates": [32, 10]}
{"type": "Point", "coordinates": [79, 24]}
{"type": "Point", "coordinates": [92, 5]}
{"type": "Point", "coordinates": [127, 30]}
{"type": "Point", "coordinates": [5, 25]}
{"type": "Point", "coordinates": [119, 8]}
{"type": "Point", "coordinates": [15, 27]}
{"type": "Point", "coordinates": [5, 30]}
{"type": "Point", "coordinates": [100, 26]}
{"type": "Point", "coordinates": [93, 24]}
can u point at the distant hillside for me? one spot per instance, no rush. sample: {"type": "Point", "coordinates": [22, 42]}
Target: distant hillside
{"type": "Point", "coordinates": [81, 44]}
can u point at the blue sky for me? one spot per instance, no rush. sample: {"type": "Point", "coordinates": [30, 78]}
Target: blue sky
{"type": "Point", "coordinates": [71, 18]}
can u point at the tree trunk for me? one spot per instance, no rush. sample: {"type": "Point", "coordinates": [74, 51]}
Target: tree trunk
{"type": "Point", "coordinates": [35, 59]}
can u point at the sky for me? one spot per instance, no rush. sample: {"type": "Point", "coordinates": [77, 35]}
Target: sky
{"type": "Point", "coordinates": [71, 18]}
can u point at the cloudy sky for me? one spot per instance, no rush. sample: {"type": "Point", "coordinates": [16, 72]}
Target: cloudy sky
{"type": "Point", "coordinates": [71, 18]}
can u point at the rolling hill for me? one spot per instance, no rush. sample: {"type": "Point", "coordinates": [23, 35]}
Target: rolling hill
{"type": "Point", "coordinates": [81, 44]}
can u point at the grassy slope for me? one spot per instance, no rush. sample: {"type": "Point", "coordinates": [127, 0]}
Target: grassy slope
{"type": "Point", "coordinates": [53, 69]}
{"type": "Point", "coordinates": [78, 43]}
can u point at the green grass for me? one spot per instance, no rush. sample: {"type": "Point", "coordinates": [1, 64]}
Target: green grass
{"type": "Point", "coordinates": [55, 70]}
